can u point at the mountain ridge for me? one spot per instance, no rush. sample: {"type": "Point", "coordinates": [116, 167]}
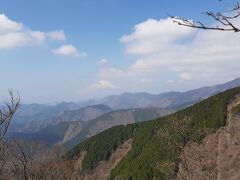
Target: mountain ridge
{"type": "Point", "coordinates": [167, 99]}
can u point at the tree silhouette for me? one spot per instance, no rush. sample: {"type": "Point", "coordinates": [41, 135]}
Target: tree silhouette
{"type": "Point", "coordinates": [226, 21]}
{"type": "Point", "coordinates": [7, 112]}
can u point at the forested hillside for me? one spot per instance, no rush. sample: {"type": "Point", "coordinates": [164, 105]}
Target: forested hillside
{"type": "Point", "coordinates": [157, 144]}
{"type": "Point", "coordinates": [114, 118]}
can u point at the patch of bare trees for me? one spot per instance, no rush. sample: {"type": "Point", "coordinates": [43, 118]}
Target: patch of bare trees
{"type": "Point", "coordinates": [31, 160]}
{"type": "Point", "coordinates": [28, 160]}
{"type": "Point", "coordinates": [6, 114]}
{"type": "Point", "coordinates": [25, 160]}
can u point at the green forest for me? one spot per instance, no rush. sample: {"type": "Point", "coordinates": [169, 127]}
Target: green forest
{"type": "Point", "coordinates": [157, 144]}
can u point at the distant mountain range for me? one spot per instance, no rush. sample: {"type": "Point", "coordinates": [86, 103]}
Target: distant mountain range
{"type": "Point", "coordinates": [70, 123]}
{"type": "Point", "coordinates": [36, 112]}
{"type": "Point", "coordinates": [165, 100]}
{"type": "Point", "coordinates": [72, 127]}
{"type": "Point", "coordinates": [32, 118]}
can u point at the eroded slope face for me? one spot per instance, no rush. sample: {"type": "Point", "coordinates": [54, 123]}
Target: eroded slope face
{"type": "Point", "coordinates": [103, 170]}
{"type": "Point", "coordinates": [218, 156]}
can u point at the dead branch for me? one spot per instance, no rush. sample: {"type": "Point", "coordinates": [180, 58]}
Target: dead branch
{"type": "Point", "coordinates": [225, 20]}
{"type": "Point", "coordinates": [7, 113]}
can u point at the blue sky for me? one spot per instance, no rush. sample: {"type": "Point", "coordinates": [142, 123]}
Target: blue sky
{"type": "Point", "coordinates": [52, 51]}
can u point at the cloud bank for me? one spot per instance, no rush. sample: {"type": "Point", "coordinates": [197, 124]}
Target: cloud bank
{"type": "Point", "coordinates": [171, 54]}
{"type": "Point", "coordinates": [14, 34]}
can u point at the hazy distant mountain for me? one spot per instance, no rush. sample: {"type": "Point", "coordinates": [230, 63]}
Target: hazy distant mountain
{"type": "Point", "coordinates": [49, 115]}
{"type": "Point", "coordinates": [66, 121]}
{"type": "Point", "coordinates": [36, 112]}
{"type": "Point", "coordinates": [130, 100]}
{"type": "Point", "coordinates": [71, 127]}
{"type": "Point", "coordinates": [81, 115]}
{"type": "Point", "coordinates": [165, 100]}
{"type": "Point", "coordinates": [176, 100]}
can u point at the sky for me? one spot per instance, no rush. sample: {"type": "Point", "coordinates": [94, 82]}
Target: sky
{"type": "Point", "coordinates": [72, 50]}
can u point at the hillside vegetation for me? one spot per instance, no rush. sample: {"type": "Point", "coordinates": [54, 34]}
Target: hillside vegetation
{"type": "Point", "coordinates": [114, 118]}
{"type": "Point", "coordinates": [157, 144]}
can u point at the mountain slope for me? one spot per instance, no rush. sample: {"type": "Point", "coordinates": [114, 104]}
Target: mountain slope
{"type": "Point", "coordinates": [114, 118]}
{"type": "Point", "coordinates": [34, 113]}
{"type": "Point", "coordinates": [72, 127]}
{"type": "Point", "coordinates": [50, 135]}
{"type": "Point", "coordinates": [54, 129]}
{"type": "Point", "coordinates": [84, 114]}
{"type": "Point", "coordinates": [157, 144]}
{"type": "Point", "coordinates": [61, 115]}
{"type": "Point", "coordinates": [219, 151]}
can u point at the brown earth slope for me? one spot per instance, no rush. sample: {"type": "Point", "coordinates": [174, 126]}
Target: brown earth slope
{"type": "Point", "coordinates": [218, 156]}
{"type": "Point", "coordinates": [103, 170]}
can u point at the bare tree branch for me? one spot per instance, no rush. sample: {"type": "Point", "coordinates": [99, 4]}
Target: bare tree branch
{"type": "Point", "coordinates": [7, 113]}
{"type": "Point", "coordinates": [225, 19]}
{"type": "Point", "coordinates": [22, 157]}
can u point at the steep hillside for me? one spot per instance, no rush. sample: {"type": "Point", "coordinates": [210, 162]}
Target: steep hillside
{"type": "Point", "coordinates": [158, 144]}
{"type": "Point", "coordinates": [217, 157]}
{"type": "Point", "coordinates": [114, 118]}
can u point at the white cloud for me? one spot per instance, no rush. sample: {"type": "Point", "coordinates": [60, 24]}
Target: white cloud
{"type": "Point", "coordinates": [103, 84]}
{"type": "Point", "coordinates": [68, 50]}
{"type": "Point", "coordinates": [14, 34]}
{"type": "Point", "coordinates": [11, 40]}
{"type": "Point", "coordinates": [164, 50]}
{"type": "Point", "coordinates": [57, 35]}
{"type": "Point", "coordinates": [39, 37]}
{"type": "Point", "coordinates": [152, 35]}
{"type": "Point", "coordinates": [103, 61]}
{"type": "Point", "coordinates": [7, 25]}
{"type": "Point", "coordinates": [185, 76]}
